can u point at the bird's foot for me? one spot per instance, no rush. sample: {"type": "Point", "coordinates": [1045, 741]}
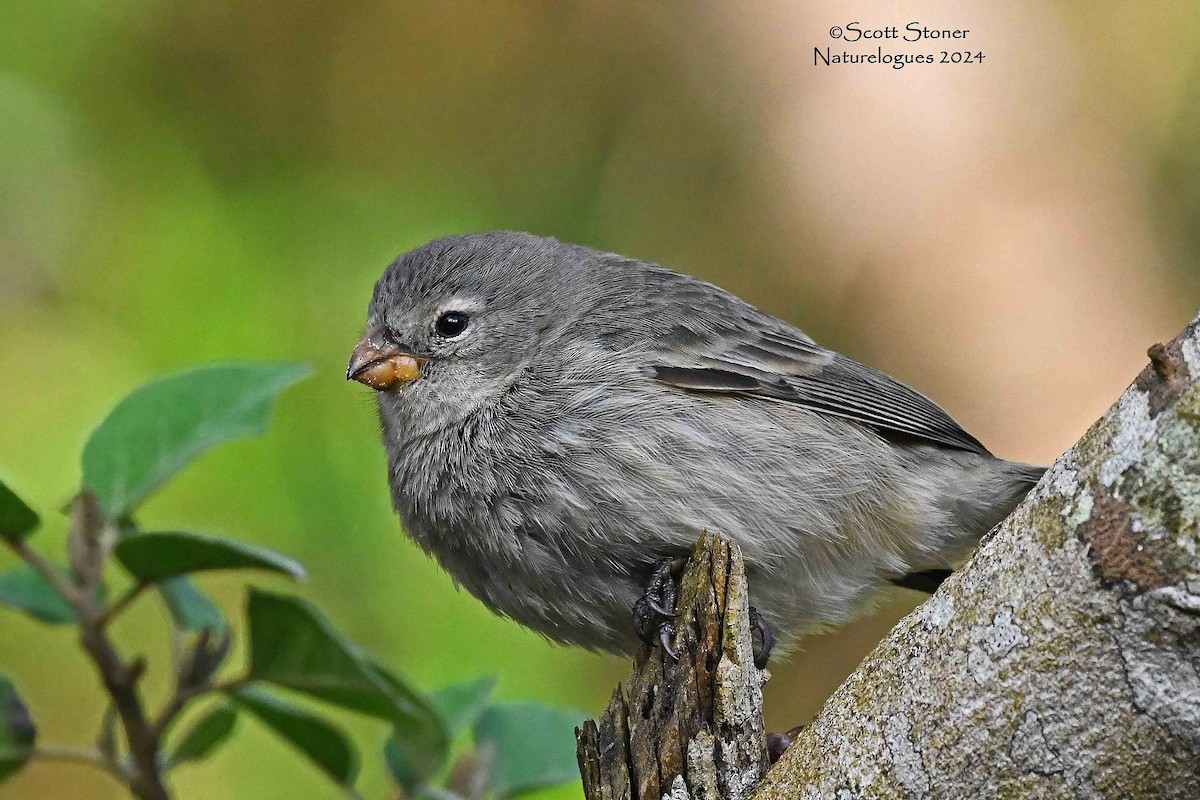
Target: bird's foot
{"type": "Point", "coordinates": [654, 612]}
{"type": "Point", "coordinates": [766, 640]}
{"type": "Point", "coordinates": [927, 581]}
{"type": "Point", "coordinates": [778, 743]}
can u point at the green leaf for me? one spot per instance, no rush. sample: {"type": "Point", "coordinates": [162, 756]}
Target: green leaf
{"type": "Point", "coordinates": [24, 588]}
{"type": "Point", "coordinates": [205, 735]}
{"type": "Point", "coordinates": [17, 520]}
{"type": "Point", "coordinates": [293, 645]}
{"type": "Point", "coordinates": [459, 705]}
{"type": "Point", "coordinates": [152, 557]}
{"type": "Point", "coordinates": [325, 744]}
{"type": "Point", "coordinates": [155, 431]}
{"type": "Point", "coordinates": [534, 745]}
{"type": "Point", "coordinates": [425, 745]}
{"type": "Point", "coordinates": [400, 766]}
{"type": "Point", "coordinates": [190, 607]}
{"type": "Point", "coordinates": [17, 731]}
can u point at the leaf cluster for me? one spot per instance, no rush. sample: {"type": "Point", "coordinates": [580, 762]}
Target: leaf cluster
{"type": "Point", "coordinates": [294, 650]}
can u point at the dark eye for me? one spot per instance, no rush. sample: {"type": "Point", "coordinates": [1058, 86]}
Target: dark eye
{"type": "Point", "coordinates": [451, 324]}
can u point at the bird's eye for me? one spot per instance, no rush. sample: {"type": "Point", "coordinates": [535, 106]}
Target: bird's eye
{"type": "Point", "coordinates": [451, 324]}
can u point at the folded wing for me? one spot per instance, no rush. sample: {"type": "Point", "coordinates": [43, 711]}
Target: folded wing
{"type": "Point", "coordinates": [723, 345]}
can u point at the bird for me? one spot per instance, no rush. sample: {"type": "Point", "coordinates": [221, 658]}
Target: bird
{"type": "Point", "coordinates": [562, 424]}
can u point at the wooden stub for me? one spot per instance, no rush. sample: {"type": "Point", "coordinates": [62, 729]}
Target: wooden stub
{"type": "Point", "coordinates": [692, 728]}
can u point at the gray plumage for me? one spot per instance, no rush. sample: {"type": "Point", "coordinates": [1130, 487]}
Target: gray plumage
{"type": "Point", "coordinates": [598, 413]}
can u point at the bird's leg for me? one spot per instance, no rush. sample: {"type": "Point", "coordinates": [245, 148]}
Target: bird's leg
{"type": "Point", "coordinates": [928, 581]}
{"type": "Point", "coordinates": [767, 639]}
{"type": "Point", "coordinates": [654, 612]}
{"type": "Point", "coordinates": [778, 743]}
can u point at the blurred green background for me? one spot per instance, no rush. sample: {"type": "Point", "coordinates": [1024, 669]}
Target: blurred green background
{"type": "Point", "coordinates": [183, 182]}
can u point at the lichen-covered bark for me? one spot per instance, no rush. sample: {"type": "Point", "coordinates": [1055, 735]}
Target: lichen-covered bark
{"type": "Point", "coordinates": [691, 728]}
{"type": "Point", "coordinates": [1064, 660]}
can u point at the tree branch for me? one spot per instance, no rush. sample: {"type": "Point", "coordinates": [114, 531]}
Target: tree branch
{"type": "Point", "coordinates": [120, 679]}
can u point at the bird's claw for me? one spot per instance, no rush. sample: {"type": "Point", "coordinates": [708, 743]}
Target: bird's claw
{"type": "Point", "coordinates": [666, 632]}
{"type": "Point", "coordinates": [658, 608]}
{"type": "Point", "coordinates": [654, 612]}
{"type": "Point", "coordinates": [763, 652]}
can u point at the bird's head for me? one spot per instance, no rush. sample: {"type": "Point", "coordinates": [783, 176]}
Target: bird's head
{"type": "Point", "coordinates": [453, 322]}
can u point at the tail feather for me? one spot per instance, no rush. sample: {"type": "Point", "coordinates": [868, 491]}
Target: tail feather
{"type": "Point", "coordinates": [979, 514]}
{"type": "Point", "coordinates": [992, 495]}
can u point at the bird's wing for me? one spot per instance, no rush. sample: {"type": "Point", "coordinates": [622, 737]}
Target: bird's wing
{"type": "Point", "coordinates": [724, 345]}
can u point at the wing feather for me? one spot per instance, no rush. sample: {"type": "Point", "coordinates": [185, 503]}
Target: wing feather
{"type": "Point", "coordinates": [720, 344]}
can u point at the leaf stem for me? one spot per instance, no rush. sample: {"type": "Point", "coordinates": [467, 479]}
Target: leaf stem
{"type": "Point", "coordinates": [232, 685]}
{"type": "Point", "coordinates": [47, 571]}
{"type": "Point", "coordinates": [123, 602]}
{"type": "Point", "coordinates": [184, 695]}
{"type": "Point", "coordinates": [106, 738]}
{"type": "Point", "coordinates": [69, 754]}
{"type": "Point", "coordinates": [72, 754]}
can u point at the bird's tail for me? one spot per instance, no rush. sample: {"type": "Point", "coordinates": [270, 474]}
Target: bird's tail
{"type": "Point", "coordinates": [994, 493]}
{"type": "Point", "coordinates": [979, 501]}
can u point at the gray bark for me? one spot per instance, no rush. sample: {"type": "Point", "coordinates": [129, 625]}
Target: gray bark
{"type": "Point", "coordinates": [1063, 660]}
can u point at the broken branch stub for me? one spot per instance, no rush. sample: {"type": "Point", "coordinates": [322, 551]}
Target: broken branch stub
{"type": "Point", "coordinates": [691, 728]}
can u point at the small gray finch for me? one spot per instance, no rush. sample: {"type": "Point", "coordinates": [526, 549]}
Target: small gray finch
{"type": "Point", "coordinates": [561, 424]}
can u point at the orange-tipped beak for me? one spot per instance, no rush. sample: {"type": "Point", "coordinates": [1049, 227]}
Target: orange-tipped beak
{"type": "Point", "coordinates": [380, 364]}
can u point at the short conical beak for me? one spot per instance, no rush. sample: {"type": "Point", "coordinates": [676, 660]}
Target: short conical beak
{"type": "Point", "coordinates": [380, 364]}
